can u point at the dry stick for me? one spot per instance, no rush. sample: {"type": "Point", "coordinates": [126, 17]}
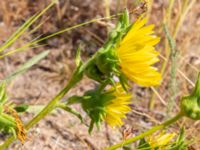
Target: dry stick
{"type": "Point", "coordinates": [24, 27]}
{"type": "Point", "coordinates": [149, 8]}
{"type": "Point", "coordinates": [55, 34]}
{"type": "Point", "coordinates": [187, 5]}
{"type": "Point", "coordinates": [107, 12]}
{"type": "Point", "coordinates": [180, 72]}
{"type": "Point", "coordinates": [167, 20]}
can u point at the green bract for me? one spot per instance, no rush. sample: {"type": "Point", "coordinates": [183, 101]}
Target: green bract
{"type": "Point", "coordinates": [94, 73]}
{"type": "Point", "coordinates": [190, 105]}
{"type": "Point", "coordinates": [105, 63]}
{"type": "Point", "coordinates": [7, 122]}
{"type": "Point", "coordinates": [93, 103]}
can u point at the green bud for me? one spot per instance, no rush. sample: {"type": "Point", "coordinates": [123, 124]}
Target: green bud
{"type": "Point", "coordinates": [190, 105]}
{"type": "Point", "coordinates": [93, 103]}
{"type": "Point", "coordinates": [6, 121]}
{"type": "Point", "coordinates": [125, 18]}
{"type": "Point", "coordinates": [106, 61]}
{"type": "Point", "coordinates": [21, 108]}
{"type": "Point", "coordinates": [94, 73]}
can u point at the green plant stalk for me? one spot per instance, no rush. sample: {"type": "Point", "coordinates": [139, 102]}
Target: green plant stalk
{"type": "Point", "coordinates": [147, 133]}
{"type": "Point", "coordinates": [173, 72]}
{"type": "Point", "coordinates": [52, 104]}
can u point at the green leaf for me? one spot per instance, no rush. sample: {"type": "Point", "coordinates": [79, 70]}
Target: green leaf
{"type": "Point", "coordinates": [180, 143]}
{"type": "Point", "coordinates": [143, 145]}
{"type": "Point", "coordinates": [78, 57]}
{"type": "Point", "coordinates": [21, 108]}
{"type": "Point", "coordinates": [26, 65]}
{"type": "Point", "coordinates": [70, 110]}
{"type": "Point", "coordinates": [3, 96]}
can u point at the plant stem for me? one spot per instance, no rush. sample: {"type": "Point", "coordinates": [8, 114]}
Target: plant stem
{"type": "Point", "coordinates": [149, 132]}
{"type": "Point", "coordinates": [76, 77]}
{"type": "Point", "coordinates": [43, 113]}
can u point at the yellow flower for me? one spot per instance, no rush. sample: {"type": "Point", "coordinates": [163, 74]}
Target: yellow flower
{"type": "Point", "coordinates": [136, 54]}
{"type": "Point", "coordinates": [117, 108]}
{"type": "Point", "coordinates": [161, 140]}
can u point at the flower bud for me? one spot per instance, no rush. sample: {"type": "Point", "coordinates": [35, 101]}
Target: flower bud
{"type": "Point", "coordinates": [106, 61]}
{"type": "Point", "coordinates": [190, 105]}
{"type": "Point", "coordinates": [93, 103]}
{"type": "Point", "coordinates": [94, 73]}
{"type": "Point", "coordinates": [110, 105]}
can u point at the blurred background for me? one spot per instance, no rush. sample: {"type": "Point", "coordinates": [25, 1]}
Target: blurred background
{"type": "Point", "coordinates": [61, 130]}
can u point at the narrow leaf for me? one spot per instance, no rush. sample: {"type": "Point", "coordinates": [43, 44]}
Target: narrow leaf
{"type": "Point", "coordinates": [26, 65]}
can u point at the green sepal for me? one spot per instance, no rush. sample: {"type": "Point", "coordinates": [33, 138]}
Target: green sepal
{"type": "Point", "coordinates": [73, 100]}
{"type": "Point", "coordinates": [190, 105]}
{"type": "Point", "coordinates": [6, 121]}
{"type": "Point", "coordinates": [3, 96]}
{"type": "Point", "coordinates": [70, 110]}
{"type": "Point", "coordinates": [196, 92]}
{"type": "Point", "coordinates": [107, 61]}
{"type": "Point", "coordinates": [93, 103]}
{"type": "Point", "coordinates": [13, 132]}
{"type": "Point", "coordinates": [120, 30]}
{"type": "Point", "coordinates": [91, 126]}
{"type": "Point", "coordinates": [94, 73]}
{"type": "Point", "coordinates": [125, 18]}
{"type": "Point", "coordinates": [124, 82]}
{"type": "Point", "coordinates": [143, 144]}
{"type": "Point", "coordinates": [78, 60]}
{"type": "Point", "coordinates": [78, 74]}
{"type": "Point", "coordinates": [21, 108]}
{"type": "Point", "coordinates": [180, 143]}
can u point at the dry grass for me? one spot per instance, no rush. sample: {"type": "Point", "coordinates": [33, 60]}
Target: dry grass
{"type": "Point", "coordinates": [37, 86]}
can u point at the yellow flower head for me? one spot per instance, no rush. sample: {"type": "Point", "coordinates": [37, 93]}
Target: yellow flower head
{"type": "Point", "coordinates": [136, 54]}
{"type": "Point", "coordinates": [117, 108]}
{"type": "Point", "coordinates": [161, 140]}
{"type": "Point", "coordinates": [110, 106]}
